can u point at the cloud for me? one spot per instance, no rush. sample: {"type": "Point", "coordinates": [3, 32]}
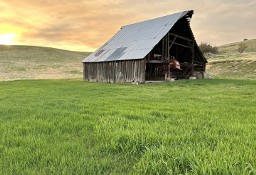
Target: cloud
{"type": "Point", "coordinates": [86, 25]}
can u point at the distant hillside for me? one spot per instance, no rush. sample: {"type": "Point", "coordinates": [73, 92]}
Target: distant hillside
{"type": "Point", "coordinates": [229, 63]}
{"type": "Point", "coordinates": [233, 47]}
{"type": "Point", "coordinates": [31, 62]}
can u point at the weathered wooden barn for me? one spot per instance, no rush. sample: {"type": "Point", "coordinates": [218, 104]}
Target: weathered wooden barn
{"type": "Point", "coordinates": [159, 49]}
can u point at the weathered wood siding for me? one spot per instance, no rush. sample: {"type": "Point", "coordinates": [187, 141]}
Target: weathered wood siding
{"type": "Point", "coordinates": [116, 71]}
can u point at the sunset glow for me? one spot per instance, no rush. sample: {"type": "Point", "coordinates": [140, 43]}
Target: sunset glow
{"type": "Point", "coordinates": [8, 39]}
{"type": "Point", "coordinates": [84, 25]}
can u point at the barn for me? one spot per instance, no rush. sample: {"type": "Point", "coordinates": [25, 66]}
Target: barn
{"type": "Point", "coordinates": [160, 49]}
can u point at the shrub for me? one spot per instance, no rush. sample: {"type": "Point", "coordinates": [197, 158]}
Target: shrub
{"type": "Point", "coordinates": [208, 48]}
{"type": "Point", "coordinates": [242, 47]}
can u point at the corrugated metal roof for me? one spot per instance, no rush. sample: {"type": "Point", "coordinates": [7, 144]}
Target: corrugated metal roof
{"type": "Point", "coordinates": [135, 41]}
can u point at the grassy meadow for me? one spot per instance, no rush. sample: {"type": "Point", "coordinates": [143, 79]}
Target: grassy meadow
{"type": "Point", "coordinates": [230, 64]}
{"type": "Point", "coordinates": [75, 127]}
{"type": "Point", "coordinates": [32, 62]}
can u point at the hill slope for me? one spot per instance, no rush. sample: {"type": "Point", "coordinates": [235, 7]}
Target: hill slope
{"type": "Point", "coordinates": [229, 63]}
{"type": "Point", "coordinates": [31, 62]}
{"type": "Point", "coordinates": [233, 47]}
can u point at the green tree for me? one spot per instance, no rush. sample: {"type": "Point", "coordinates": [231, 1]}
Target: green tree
{"type": "Point", "coordinates": [208, 48]}
{"type": "Point", "coordinates": [241, 48]}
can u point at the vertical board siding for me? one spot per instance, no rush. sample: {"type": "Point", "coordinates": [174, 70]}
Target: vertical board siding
{"type": "Point", "coordinates": [116, 71]}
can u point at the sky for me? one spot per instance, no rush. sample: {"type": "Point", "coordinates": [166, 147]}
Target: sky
{"type": "Point", "coordinates": [85, 25]}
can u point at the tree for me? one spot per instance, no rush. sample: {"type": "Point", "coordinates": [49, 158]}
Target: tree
{"type": "Point", "coordinates": [241, 48]}
{"type": "Point", "coordinates": [208, 48]}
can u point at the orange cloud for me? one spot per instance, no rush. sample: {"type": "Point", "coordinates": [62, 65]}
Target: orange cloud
{"type": "Point", "coordinates": [85, 25]}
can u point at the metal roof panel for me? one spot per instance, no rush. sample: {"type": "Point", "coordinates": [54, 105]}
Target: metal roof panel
{"type": "Point", "coordinates": [135, 41]}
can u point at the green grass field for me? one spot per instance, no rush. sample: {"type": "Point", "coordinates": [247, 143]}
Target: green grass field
{"type": "Point", "coordinates": [74, 127]}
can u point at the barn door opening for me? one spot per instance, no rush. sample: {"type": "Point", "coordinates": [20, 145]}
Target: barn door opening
{"type": "Point", "coordinates": [155, 71]}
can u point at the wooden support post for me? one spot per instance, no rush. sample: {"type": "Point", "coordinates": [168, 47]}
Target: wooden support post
{"type": "Point", "coordinates": [163, 48]}
{"type": "Point", "coordinates": [173, 42]}
{"type": "Point", "coordinates": [193, 57]}
{"type": "Point", "coordinates": [168, 45]}
{"type": "Point", "coordinates": [168, 56]}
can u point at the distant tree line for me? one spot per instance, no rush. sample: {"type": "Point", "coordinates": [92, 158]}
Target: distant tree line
{"type": "Point", "coordinates": [208, 48]}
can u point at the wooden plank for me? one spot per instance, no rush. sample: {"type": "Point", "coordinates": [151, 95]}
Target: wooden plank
{"type": "Point", "coordinates": [116, 71]}
{"type": "Point", "coordinates": [193, 57]}
{"type": "Point", "coordinates": [181, 37]}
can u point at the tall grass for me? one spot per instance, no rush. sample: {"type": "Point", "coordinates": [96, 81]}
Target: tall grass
{"type": "Point", "coordinates": [74, 127]}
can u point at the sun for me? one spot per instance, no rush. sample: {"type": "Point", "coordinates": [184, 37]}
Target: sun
{"type": "Point", "coordinates": [8, 38]}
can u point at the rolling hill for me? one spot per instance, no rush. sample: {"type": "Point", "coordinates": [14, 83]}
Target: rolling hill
{"type": "Point", "coordinates": [233, 47]}
{"type": "Point", "coordinates": [31, 62]}
{"type": "Point", "coordinates": [229, 63]}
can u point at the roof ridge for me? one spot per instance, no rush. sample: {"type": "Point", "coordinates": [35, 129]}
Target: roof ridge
{"type": "Point", "coordinates": [157, 18]}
